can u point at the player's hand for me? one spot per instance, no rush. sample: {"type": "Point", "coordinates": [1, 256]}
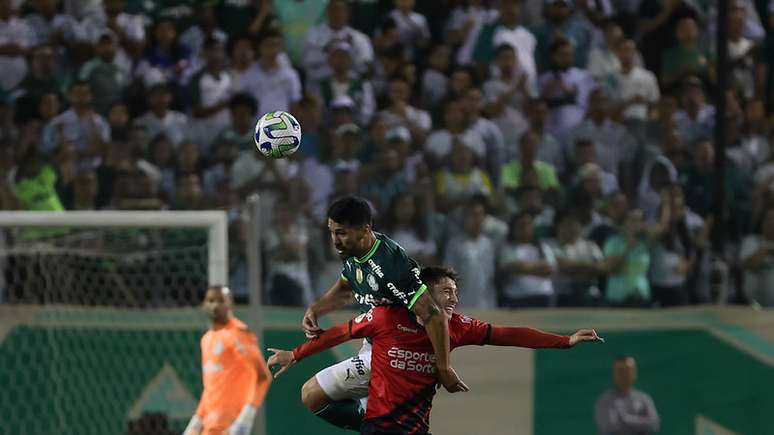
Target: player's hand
{"type": "Point", "coordinates": [311, 328]}
{"type": "Point", "coordinates": [282, 358]}
{"type": "Point", "coordinates": [451, 381]}
{"type": "Point", "coordinates": [585, 335]}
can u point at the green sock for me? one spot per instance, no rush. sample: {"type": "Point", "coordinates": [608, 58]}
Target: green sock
{"type": "Point", "coordinates": [345, 414]}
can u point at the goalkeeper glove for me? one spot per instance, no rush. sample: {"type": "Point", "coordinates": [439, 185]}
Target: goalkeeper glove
{"type": "Point", "coordinates": [194, 426]}
{"type": "Point", "coordinates": [244, 423]}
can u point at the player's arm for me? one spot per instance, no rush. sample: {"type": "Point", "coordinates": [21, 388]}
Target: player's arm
{"type": "Point", "coordinates": [337, 297]}
{"type": "Point", "coordinates": [195, 425]}
{"type": "Point", "coordinates": [359, 327]}
{"type": "Point", "coordinates": [246, 344]}
{"type": "Point", "coordinates": [437, 329]}
{"type": "Point", "coordinates": [476, 332]}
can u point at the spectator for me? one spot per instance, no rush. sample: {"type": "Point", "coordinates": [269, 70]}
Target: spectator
{"type": "Point", "coordinates": [399, 110]}
{"type": "Point", "coordinates": [435, 80]}
{"type": "Point", "coordinates": [603, 63]}
{"type": "Point", "coordinates": [160, 119]}
{"type": "Point", "coordinates": [47, 26]}
{"type": "Point", "coordinates": [457, 183]}
{"type": "Point", "coordinates": [686, 58]}
{"type": "Point", "coordinates": [242, 59]}
{"type": "Point", "coordinates": [16, 38]}
{"type": "Point", "coordinates": [289, 282]}
{"type": "Point", "coordinates": [657, 23]}
{"type": "Point", "coordinates": [464, 27]}
{"type": "Point", "coordinates": [525, 266]}
{"type": "Point", "coordinates": [579, 263]}
{"type": "Point", "coordinates": [439, 144]}
{"type": "Point", "coordinates": [472, 254]}
{"type": "Point", "coordinates": [274, 85]}
{"type": "Point", "coordinates": [559, 19]}
{"type": "Point", "coordinates": [615, 210]}
{"type": "Point", "coordinates": [323, 36]}
{"type": "Point", "coordinates": [740, 53]}
{"type": "Point", "coordinates": [677, 254]}
{"type": "Point", "coordinates": [241, 131]}
{"type": "Point", "coordinates": [106, 79]}
{"type": "Point", "coordinates": [211, 94]}
{"type": "Point", "coordinates": [118, 120]}
{"type": "Point", "coordinates": [564, 88]}
{"type": "Point", "coordinates": [85, 191]}
{"type": "Point", "coordinates": [35, 185]}
{"type": "Point", "coordinates": [624, 410]}
{"type": "Point", "coordinates": [697, 119]}
{"type": "Point", "coordinates": [165, 59]}
{"type": "Point", "coordinates": [507, 94]}
{"type": "Point", "coordinates": [128, 28]}
{"type": "Point", "coordinates": [41, 80]}
{"type": "Point", "coordinates": [414, 167]}
{"type": "Point", "coordinates": [628, 259]}
{"type": "Point", "coordinates": [615, 146]}
{"type": "Point", "coordinates": [659, 174]}
{"type": "Point", "coordinates": [343, 82]}
{"type": "Point", "coordinates": [635, 88]}
{"type": "Point", "coordinates": [195, 37]}
{"type": "Point", "coordinates": [490, 133]}
{"type": "Point", "coordinates": [295, 24]}
{"type": "Point", "coordinates": [513, 172]}
{"type": "Point", "coordinates": [757, 259]}
{"type": "Point", "coordinates": [411, 26]}
{"type": "Point", "coordinates": [80, 124]}
{"type": "Point", "coordinates": [509, 30]}
{"type": "Point", "coordinates": [188, 193]}
{"type": "Point", "coordinates": [387, 181]}
{"type": "Point", "coordinates": [408, 223]}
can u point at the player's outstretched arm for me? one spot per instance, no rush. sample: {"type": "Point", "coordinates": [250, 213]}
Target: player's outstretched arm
{"type": "Point", "coordinates": [537, 339]}
{"type": "Point", "coordinates": [437, 329]}
{"type": "Point", "coordinates": [284, 359]}
{"type": "Point", "coordinates": [337, 297]}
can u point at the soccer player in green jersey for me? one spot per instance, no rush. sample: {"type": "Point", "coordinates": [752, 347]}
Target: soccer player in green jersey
{"type": "Point", "coordinates": [376, 271]}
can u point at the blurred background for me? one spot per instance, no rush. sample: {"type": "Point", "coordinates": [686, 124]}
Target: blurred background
{"type": "Point", "coordinates": [585, 163]}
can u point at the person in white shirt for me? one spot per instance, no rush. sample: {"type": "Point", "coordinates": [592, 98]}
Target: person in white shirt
{"type": "Point", "coordinates": [489, 132]}
{"type": "Point", "coordinates": [336, 28]}
{"type": "Point", "coordinates": [129, 28]}
{"type": "Point", "coordinates": [603, 63]}
{"type": "Point", "coordinates": [194, 37]}
{"type": "Point", "coordinates": [211, 93]}
{"type": "Point", "coordinates": [80, 125]}
{"type": "Point", "coordinates": [439, 143]}
{"type": "Point", "coordinates": [273, 84]}
{"type": "Point", "coordinates": [512, 32]}
{"type": "Point", "coordinates": [526, 266]}
{"type": "Point", "coordinates": [472, 254]}
{"type": "Point", "coordinates": [412, 27]}
{"type": "Point", "coordinates": [401, 112]}
{"type": "Point", "coordinates": [160, 119]}
{"type": "Point", "coordinates": [15, 39]}
{"type": "Point", "coordinates": [506, 94]}
{"type": "Point", "coordinates": [50, 27]}
{"type": "Point", "coordinates": [757, 259]}
{"type": "Point", "coordinates": [565, 89]}
{"type": "Point", "coordinates": [635, 87]}
{"type": "Point", "coordinates": [464, 26]}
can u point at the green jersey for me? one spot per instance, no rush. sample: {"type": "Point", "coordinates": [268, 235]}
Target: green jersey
{"type": "Point", "coordinates": [385, 275]}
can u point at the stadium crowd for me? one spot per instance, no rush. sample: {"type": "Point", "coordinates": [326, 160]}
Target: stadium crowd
{"type": "Point", "coordinates": [555, 153]}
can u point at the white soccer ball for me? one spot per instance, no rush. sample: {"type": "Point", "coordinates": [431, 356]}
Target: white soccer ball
{"type": "Point", "coordinates": [277, 134]}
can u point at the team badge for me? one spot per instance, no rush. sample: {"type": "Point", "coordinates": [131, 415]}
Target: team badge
{"type": "Point", "coordinates": [359, 275]}
{"type": "Point", "coordinates": [372, 282]}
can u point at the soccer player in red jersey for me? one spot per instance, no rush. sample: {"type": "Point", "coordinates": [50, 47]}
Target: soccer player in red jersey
{"type": "Point", "coordinates": [403, 380]}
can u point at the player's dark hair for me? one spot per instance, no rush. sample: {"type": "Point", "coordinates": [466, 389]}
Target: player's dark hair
{"type": "Point", "coordinates": [351, 211]}
{"type": "Point", "coordinates": [430, 275]}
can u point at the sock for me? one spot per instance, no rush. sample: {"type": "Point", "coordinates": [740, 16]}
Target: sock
{"type": "Point", "coordinates": [346, 414]}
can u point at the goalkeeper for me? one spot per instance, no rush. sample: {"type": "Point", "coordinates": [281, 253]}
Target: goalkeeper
{"type": "Point", "coordinates": [236, 378]}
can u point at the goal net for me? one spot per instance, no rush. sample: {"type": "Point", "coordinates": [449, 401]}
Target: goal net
{"type": "Point", "coordinates": [99, 325]}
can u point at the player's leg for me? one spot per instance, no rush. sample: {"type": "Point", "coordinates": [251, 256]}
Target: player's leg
{"type": "Point", "coordinates": [338, 394]}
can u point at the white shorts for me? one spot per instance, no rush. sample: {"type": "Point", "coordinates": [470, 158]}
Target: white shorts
{"type": "Point", "coordinates": [349, 378]}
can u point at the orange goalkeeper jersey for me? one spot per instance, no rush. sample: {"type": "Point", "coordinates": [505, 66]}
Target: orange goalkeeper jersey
{"type": "Point", "coordinates": [234, 375]}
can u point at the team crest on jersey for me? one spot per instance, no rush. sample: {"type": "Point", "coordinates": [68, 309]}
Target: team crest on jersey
{"type": "Point", "coordinates": [359, 275]}
{"type": "Point", "coordinates": [372, 282]}
{"type": "Point", "coordinates": [466, 319]}
{"type": "Point", "coordinates": [367, 315]}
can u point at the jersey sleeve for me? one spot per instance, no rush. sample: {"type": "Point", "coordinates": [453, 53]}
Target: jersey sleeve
{"type": "Point", "coordinates": [466, 331]}
{"type": "Point", "coordinates": [246, 345]}
{"type": "Point", "coordinates": [407, 287]}
{"type": "Point", "coordinates": [368, 324]}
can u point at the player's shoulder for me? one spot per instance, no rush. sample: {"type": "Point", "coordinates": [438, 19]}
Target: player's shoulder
{"type": "Point", "coordinates": [380, 313]}
{"type": "Point", "coordinates": [460, 320]}
{"type": "Point", "coordinates": [237, 326]}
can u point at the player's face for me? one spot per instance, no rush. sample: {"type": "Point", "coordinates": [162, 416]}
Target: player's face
{"type": "Point", "coordinates": [445, 294]}
{"type": "Point", "coordinates": [346, 240]}
{"type": "Point", "coordinates": [217, 305]}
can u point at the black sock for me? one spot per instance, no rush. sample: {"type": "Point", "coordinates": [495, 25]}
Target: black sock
{"type": "Point", "coordinates": [345, 414]}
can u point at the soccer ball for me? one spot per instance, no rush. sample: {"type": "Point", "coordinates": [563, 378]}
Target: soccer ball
{"type": "Point", "coordinates": [277, 134]}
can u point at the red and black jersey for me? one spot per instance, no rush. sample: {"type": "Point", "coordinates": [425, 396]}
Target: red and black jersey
{"type": "Point", "coordinates": [403, 376]}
